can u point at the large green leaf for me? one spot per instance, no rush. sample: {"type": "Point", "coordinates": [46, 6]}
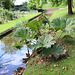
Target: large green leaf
{"type": "Point", "coordinates": [56, 50]}
{"type": "Point", "coordinates": [22, 33]}
{"type": "Point", "coordinates": [47, 51]}
{"type": "Point", "coordinates": [35, 25]}
{"type": "Point", "coordinates": [61, 24]}
{"type": "Point", "coordinates": [70, 28]}
{"type": "Point", "coordinates": [44, 41]}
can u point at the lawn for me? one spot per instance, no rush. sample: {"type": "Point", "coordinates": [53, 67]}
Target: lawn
{"type": "Point", "coordinates": [48, 6]}
{"type": "Point", "coordinates": [63, 13]}
{"type": "Point", "coordinates": [6, 26]}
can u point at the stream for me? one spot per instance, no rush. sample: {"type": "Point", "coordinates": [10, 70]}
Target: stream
{"type": "Point", "coordinates": [10, 57]}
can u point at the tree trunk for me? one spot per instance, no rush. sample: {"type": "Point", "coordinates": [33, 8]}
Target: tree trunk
{"type": "Point", "coordinates": [70, 7]}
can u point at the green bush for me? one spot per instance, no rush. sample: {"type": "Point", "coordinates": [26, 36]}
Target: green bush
{"type": "Point", "coordinates": [5, 15]}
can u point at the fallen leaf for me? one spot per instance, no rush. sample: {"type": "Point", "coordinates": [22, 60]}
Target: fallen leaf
{"type": "Point", "coordinates": [47, 69]}
{"type": "Point", "coordinates": [71, 69]}
{"type": "Point", "coordinates": [66, 68]}
{"type": "Point", "coordinates": [55, 65]}
{"type": "Point", "coordinates": [70, 65]}
{"type": "Point", "coordinates": [33, 60]}
{"type": "Point", "coordinates": [47, 64]}
{"type": "Point", "coordinates": [40, 73]}
{"type": "Point", "coordinates": [63, 68]}
{"type": "Point", "coordinates": [39, 62]}
{"type": "Point", "coordinates": [30, 64]}
{"type": "Point", "coordinates": [58, 73]}
{"type": "Point", "coordinates": [51, 70]}
{"type": "Point", "coordinates": [57, 70]}
{"type": "Point", "coordinates": [58, 65]}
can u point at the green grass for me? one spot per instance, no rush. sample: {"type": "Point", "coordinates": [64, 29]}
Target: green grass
{"type": "Point", "coordinates": [63, 13]}
{"type": "Point", "coordinates": [6, 26]}
{"type": "Point", "coordinates": [48, 6]}
{"type": "Point", "coordinates": [35, 69]}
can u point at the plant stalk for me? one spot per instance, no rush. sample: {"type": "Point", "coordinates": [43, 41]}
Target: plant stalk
{"type": "Point", "coordinates": [60, 35]}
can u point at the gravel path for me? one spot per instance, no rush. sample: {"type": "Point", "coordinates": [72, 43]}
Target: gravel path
{"type": "Point", "coordinates": [50, 11]}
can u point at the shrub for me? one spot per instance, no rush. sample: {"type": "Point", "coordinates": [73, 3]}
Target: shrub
{"type": "Point", "coordinates": [5, 15]}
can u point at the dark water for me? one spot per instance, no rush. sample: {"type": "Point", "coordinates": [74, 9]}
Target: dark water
{"type": "Point", "coordinates": [11, 58]}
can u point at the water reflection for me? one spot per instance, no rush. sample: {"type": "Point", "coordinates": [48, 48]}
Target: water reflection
{"type": "Point", "coordinates": [11, 58]}
{"type": "Point", "coordinates": [7, 42]}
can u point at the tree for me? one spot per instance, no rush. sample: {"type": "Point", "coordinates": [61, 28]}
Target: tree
{"type": "Point", "coordinates": [33, 4]}
{"type": "Point", "coordinates": [58, 2]}
{"type": "Point", "coordinates": [70, 7]}
{"type": "Point", "coordinates": [7, 4]}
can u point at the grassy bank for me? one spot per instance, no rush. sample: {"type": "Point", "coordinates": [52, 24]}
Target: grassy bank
{"type": "Point", "coordinates": [37, 66]}
{"type": "Point", "coordinates": [63, 13]}
{"type": "Point", "coordinates": [6, 26]}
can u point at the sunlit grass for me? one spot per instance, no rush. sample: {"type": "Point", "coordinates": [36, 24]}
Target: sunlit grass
{"type": "Point", "coordinates": [48, 6]}
{"type": "Point", "coordinates": [6, 26]}
{"type": "Point", "coordinates": [63, 13]}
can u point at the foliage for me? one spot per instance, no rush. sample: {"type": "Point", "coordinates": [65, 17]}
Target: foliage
{"type": "Point", "coordinates": [55, 50]}
{"type": "Point", "coordinates": [35, 25]}
{"type": "Point", "coordinates": [44, 41]}
{"type": "Point", "coordinates": [22, 7]}
{"type": "Point", "coordinates": [31, 6]}
{"type": "Point", "coordinates": [34, 4]}
{"type": "Point", "coordinates": [5, 15]}
{"type": "Point", "coordinates": [7, 4]}
{"type": "Point", "coordinates": [48, 21]}
{"type": "Point", "coordinates": [58, 2]}
{"type": "Point", "coordinates": [18, 46]}
{"type": "Point", "coordinates": [21, 23]}
{"type": "Point", "coordinates": [67, 25]}
{"type": "Point", "coordinates": [22, 33]}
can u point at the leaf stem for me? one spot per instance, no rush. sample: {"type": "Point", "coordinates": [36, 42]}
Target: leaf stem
{"type": "Point", "coordinates": [60, 35]}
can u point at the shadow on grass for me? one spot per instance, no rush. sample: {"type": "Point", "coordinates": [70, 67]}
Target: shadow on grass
{"type": "Point", "coordinates": [68, 40]}
{"type": "Point", "coordinates": [69, 16]}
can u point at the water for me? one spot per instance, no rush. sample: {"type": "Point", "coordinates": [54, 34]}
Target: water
{"type": "Point", "coordinates": [11, 58]}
